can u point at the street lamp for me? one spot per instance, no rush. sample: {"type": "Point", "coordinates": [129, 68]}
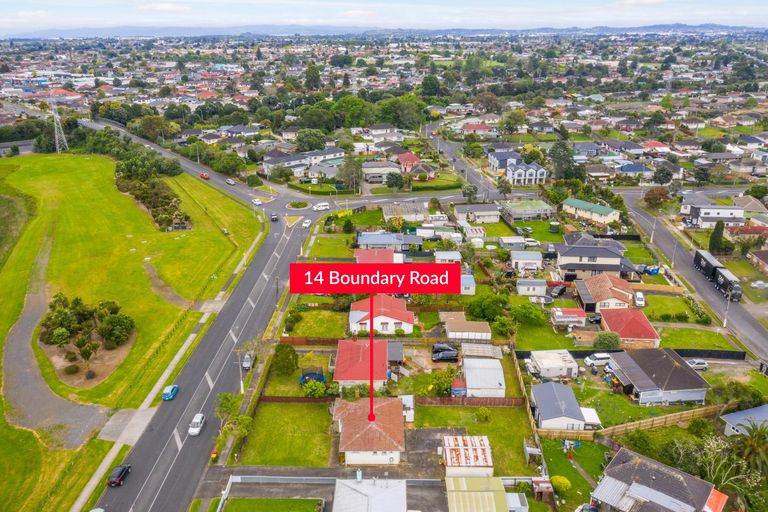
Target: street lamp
{"type": "Point", "coordinates": [653, 231]}
{"type": "Point", "coordinates": [727, 306]}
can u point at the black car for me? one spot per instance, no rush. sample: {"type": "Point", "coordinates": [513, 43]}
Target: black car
{"type": "Point", "coordinates": [595, 318]}
{"type": "Point", "coordinates": [518, 231]}
{"type": "Point", "coordinates": [273, 217]}
{"type": "Point", "coordinates": [557, 291]}
{"type": "Point", "coordinates": [444, 352]}
{"type": "Point", "coordinates": [117, 477]}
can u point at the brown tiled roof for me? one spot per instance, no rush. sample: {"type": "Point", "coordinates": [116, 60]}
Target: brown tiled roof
{"type": "Point", "coordinates": [358, 434]}
{"type": "Point", "coordinates": [606, 286]}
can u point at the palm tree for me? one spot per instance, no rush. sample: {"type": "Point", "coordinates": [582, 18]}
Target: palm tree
{"type": "Point", "coordinates": [752, 446]}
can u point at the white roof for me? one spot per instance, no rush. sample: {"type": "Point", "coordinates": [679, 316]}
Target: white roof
{"type": "Point", "coordinates": [447, 255]}
{"type": "Point", "coordinates": [484, 373]}
{"type": "Point", "coordinates": [467, 451]}
{"type": "Point", "coordinates": [590, 416]}
{"type": "Point", "coordinates": [548, 358]}
{"type": "Point", "coordinates": [369, 495]}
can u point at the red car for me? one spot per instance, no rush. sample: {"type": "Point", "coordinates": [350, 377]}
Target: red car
{"type": "Point", "coordinates": [204, 176]}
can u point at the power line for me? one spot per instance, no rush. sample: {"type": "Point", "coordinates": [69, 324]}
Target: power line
{"type": "Point", "coordinates": [58, 130]}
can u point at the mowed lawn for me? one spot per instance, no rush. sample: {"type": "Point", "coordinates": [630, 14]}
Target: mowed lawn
{"type": "Point", "coordinates": [638, 253]}
{"type": "Point", "coordinates": [694, 338]}
{"type": "Point", "coordinates": [616, 408]}
{"type": "Point", "coordinates": [270, 505]}
{"type": "Point", "coordinates": [321, 323]}
{"type": "Point", "coordinates": [333, 246]}
{"type": "Point", "coordinates": [496, 229]}
{"type": "Point", "coordinates": [364, 219]}
{"type": "Point", "coordinates": [540, 230]}
{"type": "Point", "coordinates": [657, 305]}
{"type": "Point", "coordinates": [588, 456]}
{"type": "Point", "coordinates": [505, 430]}
{"type": "Point", "coordinates": [748, 273]}
{"type": "Point", "coordinates": [289, 435]}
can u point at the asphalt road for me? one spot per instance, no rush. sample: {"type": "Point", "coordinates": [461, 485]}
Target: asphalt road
{"type": "Point", "coordinates": [746, 327]}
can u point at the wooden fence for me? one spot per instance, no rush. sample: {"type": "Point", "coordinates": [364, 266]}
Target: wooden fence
{"type": "Point", "coordinates": [646, 424]}
{"type": "Point", "coordinates": [658, 288]}
{"type": "Point", "coordinates": [295, 399]}
{"type": "Point", "coordinates": [305, 340]}
{"type": "Point", "coordinates": [470, 401]}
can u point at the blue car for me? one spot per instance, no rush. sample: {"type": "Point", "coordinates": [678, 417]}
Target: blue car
{"type": "Point", "coordinates": [170, 392]}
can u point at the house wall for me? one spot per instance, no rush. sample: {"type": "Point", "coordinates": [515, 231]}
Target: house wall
{"type": "Point", "coordinates": [371, 458]}
{"type": "Point", "coordinates": [611, 304]}
{"type": "Point", "coordinates": [660, 397]}
{"type": "Point", "coordinates": [379, 324]}
{"type": "Point", "coordinates": [532, 291]}
{"type": "Point", "coordinates": [486, 392]}
{"type": "Point", "coordinates": [468, 289]}
{"type": "Point", "coordinates": [485, 217]}
{"type": "Point", "coordinates": [590, 215]}
{"type": "Point", "coordinates": [562, 423]}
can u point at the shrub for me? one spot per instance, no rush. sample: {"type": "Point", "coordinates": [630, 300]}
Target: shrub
{"type": "Point", "coordinates": [666, 317]}
{"type": "Point", "coordinates": [483, 415]}
{"type": "Point", "coordinates": [71, 369]}
{"type": "Point", "coordinates": [253, 181]}
{"type": "Point", "coordinates": [607, 340]}
{"type": "Point", "coordinates": [117, 328]}
{"type": "Point", "coordinates": [60, 336]}
{"type": "Point", "coordinates": [362, 334]}
{"type": "Point", "coordinates": [298, 204]}
{"type": "Point", "coordinates": [640, 441]}
{"type": "Point", "coordinates": [399, 332]}
{"type": "Point", "coordinates": [560, 484]}
{"type": "Point", "coordinates": [523, 487]}
{"type": "Point", "coordinates": [314, 389]}
{"type": "Point", "coordinates": [90, 374]}
{"type": "Point", "coordinates": [70, 356]}
{"type": "Point", "coordinates": [700, 427]}
{"type": "Point", "coordinates": [487, 262]}
{"type": "Point", "coordinates": [110, 345]}
{"type": "Point", "coordinates": [348, 227]}
{"type": "Point", "coordinates": [285, 361]}
{"type": "Point", "coordinates": [332, 389]}
{"type": "Point", "coordinates": [681, 317]}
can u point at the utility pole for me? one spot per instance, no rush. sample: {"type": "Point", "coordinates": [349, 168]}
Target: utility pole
{"type": "Point", "coordinates": [727, 306]}
{"type": "Point", "coordinates": [653, 231]}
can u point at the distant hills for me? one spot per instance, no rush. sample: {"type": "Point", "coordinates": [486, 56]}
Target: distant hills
{"type": "Point", "coordinates": [328, 30]}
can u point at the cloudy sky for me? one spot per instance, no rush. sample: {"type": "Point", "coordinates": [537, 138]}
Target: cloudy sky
{"type": "Point", "coordinates": [29, 15]}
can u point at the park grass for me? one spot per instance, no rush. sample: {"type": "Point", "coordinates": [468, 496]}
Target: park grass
{"type": "Point", "coordinates": [505, 430]}
{"type": "Point", "coordinates": [321, 323]}
{"type": "Point", "coordinates": [270, 505]}
{"type": "Point", "coordinates": [588, 456]}
{"type": "Point", "coordinates": [540, 230]}
{"type": "Point", "coordinates": [15, 210]}
{"type": "Point", "coordinates": [694, 338]}
{"type": "Point", "coordinates": [332, 246]}
{"type": "Point", "coordinates": [747, 273]}
{"type": "Point", "coordinates": [496, 229]}
{"type": "Point", "coordinates": [289, 435]}
{"type": "Point", "coordinates": [656, 305]}
{"type": "Point", "coordinates": [617, 408]}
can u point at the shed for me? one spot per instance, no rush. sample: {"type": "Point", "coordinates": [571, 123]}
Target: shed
{"type": "Point", "coordinates": [526, 260]}
{"type": "Point", "coordinates": [554, 363]}
{"type": "Point", "coordinates": [467, 456]}
{"type": "Point", "coordinates": [532, 287]}
{"type": "Point", "coordinates": [461, 330]}
{"type": "Point", "coordinates": [512, 243]}
{"type": "Point", "coordinates": [478, 494]}
{"type": "Point", "coordinates": [409, 407]}
{"type": "Point", "coordinates": [395, 353]}
{"type": "Point", "coordinates": [468, 284]}
{"type": "Point", "coordinates": [569, 316]}
{"type": "Point", "coordinates": [556, 407]}
{"type": "Point", "coordinates": [371, 495]}
{"type": "Point", "coordinates": [484, 377]}
{"type": "Point", "coordinates": [517, 502]}
{"type": "Point", "coordinates": [481, 350]}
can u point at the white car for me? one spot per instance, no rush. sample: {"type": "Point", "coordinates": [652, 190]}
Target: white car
{"type": "Point", "coordinates": [197, 425]}
{"type": "Point", "coordinates": [230, 181]}
{"type": "Point", "coordinates": [597, 359]}
{"type": "Point", "coordinates": [306, 223]}
{"type": "Point", "coordinates": [321, 206]}
{"type": "Point", "coordinates": [256, 201]}
{"type": "Point", "coordinates": [532, 242]}
{"type": "Point", "coordinates": [639, 299]}
{"type": "Point", "coordinates": [698, 364]}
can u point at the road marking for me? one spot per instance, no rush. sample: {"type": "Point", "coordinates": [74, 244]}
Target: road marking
{"type": "Point", "coordinates": [252, 304]}
{"type": "Point", "coordinates": [232, 335]}
{"type": "Point", "coordinates": [209, 380]}
{"type": "Point", "coordinates": [177, 438]}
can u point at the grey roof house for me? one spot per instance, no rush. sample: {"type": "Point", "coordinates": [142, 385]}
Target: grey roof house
{"type": "Point", "coordinates": [736, 421]}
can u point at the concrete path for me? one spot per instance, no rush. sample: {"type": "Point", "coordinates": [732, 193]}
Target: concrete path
{"type": "Point", "coordinates": [584, 474]}
{"type": "Point", "coordinates": [33, 404]}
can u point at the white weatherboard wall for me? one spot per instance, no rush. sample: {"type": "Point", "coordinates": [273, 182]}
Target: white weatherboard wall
{"type": "Point", "coordinates": [468, 471]}
{"type": "Point", "coordinates": [562, 423]}
{"type": "Point", "coordinates": [371, 458]}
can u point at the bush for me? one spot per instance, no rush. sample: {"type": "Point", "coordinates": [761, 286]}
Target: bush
{"type": "Point", "coordinates": [314, 389]}
{"type": "Point", "coordinates": [298, 204]}
{"type": "Point", "coordinates": [523, 487]}
{"type": "Point", "coordinates": [285, 361]}
{"type": "Point", "coordinates": [362, 334]}
{"type": "Point", "coordinates": [253, 180]}
{"type": "Point", "coordinates": [640, 441]}
{"type": "Point", "coordinates": [607, 340]}
{"type": "Point", "coordinates": [399, 332]}
{"type": "Point", "coordinates": [560, 484]}
{"type": "Point", "coordinates": [71, 369]}
{"type": "Point", "coordinates": [483, 415]}
{"type": "Point", "coordinates": [700, 427]}
{"type": "Point", "coordinates": [70, 356]}
{"type": "Point", "coordinates": [681, 317]}
{"type": "Point", "coordinates": [90, 374]}
{"type": "Point", "coordinates": [487, 262]}
{"type": "Point", "coordinates": [348, 227]}
{"type": "Point", "coordinates": [666, 317]}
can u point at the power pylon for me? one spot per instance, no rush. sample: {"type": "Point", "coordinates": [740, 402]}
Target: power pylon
{"type": "Point", "coordinates": [58, 130]}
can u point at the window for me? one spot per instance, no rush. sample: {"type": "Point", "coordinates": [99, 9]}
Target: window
{"type": "Point", "coordinates": [592, 259]}
{"type": "Point", "coordinates": [384, 326]}
{"type": "Point", "coordinates": [398, 325]}
{"type": "Point", "coordinates": [605, 304]}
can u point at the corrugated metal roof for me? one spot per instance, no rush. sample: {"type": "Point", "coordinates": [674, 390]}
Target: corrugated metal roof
{"type": "Point", "coordinates": [467, 451]}
{"type": "Point", "coordinates": [484, 373]}
{"type": "Point", "coordinates": [555, 400]}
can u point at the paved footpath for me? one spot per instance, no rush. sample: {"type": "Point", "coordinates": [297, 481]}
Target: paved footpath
{"type": "Point", "coordinates": [33, 404]}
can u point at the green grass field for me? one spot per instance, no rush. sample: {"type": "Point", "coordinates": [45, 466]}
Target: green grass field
{"type": "Point", "coordinates": [656, 305]}
{"type": "Point", "coordinates": [91, 258]}
{"type": "Point", "coordinates": [748, 273]}
{"type": "Point", "coordinates": [334, 246]}
{"type": "Point", "coordinates": [637, 252]}
{"type": "Point", "coordinates": [289, 435]}
{"type": "Point", "coordinates": [711, 132]}
{"type": "Point", "coordinates": [543, 337]}
{"type": "Point", "coordinates": [694, 338]}
{"type": "Point", "coordinates": [506, 430]}
{"type": "Point", "coordinates": [540, 230]}
{"type": "Point", "coordinates": [496, 229]}
{"type": "Point", "coordinates": [588, 456]}
{"type": "Point", "coordinates": [365, 219]}
{"type": "Point", "coordinates": [270, 505]}
{"type": "Point", "coordinates": [444, 181]}
{"type": "Point", "coordinates": [321, 323]}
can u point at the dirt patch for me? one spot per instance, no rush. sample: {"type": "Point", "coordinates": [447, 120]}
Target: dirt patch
{"type": "Point", "coordinates": [102, 363]}
{"type": "Point", "coordinates": [161, 288]}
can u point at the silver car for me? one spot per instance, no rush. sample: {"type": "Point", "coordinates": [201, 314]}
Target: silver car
{"type": "Point", "coordinates": [198, 422]}
{"type": "Point", "coordinates": [699, 365]}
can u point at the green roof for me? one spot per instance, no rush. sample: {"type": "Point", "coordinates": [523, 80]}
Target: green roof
{"type": "Point", "coordinates": [591, 207]}
{"type": "Point", "coordinates": [476, 494]}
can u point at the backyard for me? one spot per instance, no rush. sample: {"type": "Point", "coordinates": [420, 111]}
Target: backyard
{"type": "Point", "coordinates": [694, 338]}
{"type": "Point", "coordinates": [288, 385]}
{"type": "Point", "coordinates": [588, 455]}
{"type": "Point", "coordinates": [496, 229]}
{"type": "Point", "coordinates": [540, 230]}
{"type": "Point", "coordinates": [541, 337]}
{"type": "Point", "coordinates": [304, 436]}
{"type": "Point", "coordinates": [505, 430]}
{"type": "Point", "coordinates": [657, 305]}
{"type": "Point", "coordinates": [365, 219]}
{"type": "Point", "coordinates": [332, 246]}
{"type": "Point", "coordinates": [321, 323]}
{"type": "Point", "coordinates": [638, 253]}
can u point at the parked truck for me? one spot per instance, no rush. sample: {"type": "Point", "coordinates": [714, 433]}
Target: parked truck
{"type": "Point", "coordinates": [725, 280]}
{"type": "Point", "coordinates": [728, 284]}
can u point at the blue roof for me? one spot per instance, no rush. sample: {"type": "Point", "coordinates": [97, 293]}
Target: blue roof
{"type": "Point", "coordinates": [634, 168]}
{"type": "Point", "coordinates": [756, 414]}
{"type": "Point", "coordinates": [467, 279]}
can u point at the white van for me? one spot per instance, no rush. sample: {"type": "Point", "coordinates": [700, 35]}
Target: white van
{"type": "Point", "coordinates": [597, 359]}
{"type": "Point", "coordinates": [639, 299]}
{"type": "Point", "coordinates": [321, 206]}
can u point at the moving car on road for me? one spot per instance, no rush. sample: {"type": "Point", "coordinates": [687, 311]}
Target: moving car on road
{"type": "Point", "coordinates": [230, 181]}
{"type": "Point", "coordinates": [117, 476]}
{"type": "Point", "coordinates": [170, 392]}
{"type": "Point", "coordinates": [204, 176]}
{"type": "Point", "coordinates": [321, 206]}
{"type": "Point", "coordinates": [247, 362]}
{"type": "Point", "coordinates": [306, 223]}
{"type": "Point", "coordinates": [198, 422]}
{"type": "Point", "coordinates": [256, 201]}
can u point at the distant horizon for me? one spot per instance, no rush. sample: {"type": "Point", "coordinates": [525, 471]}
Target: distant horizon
{"type": "Point", "coordinates": [55, 16]}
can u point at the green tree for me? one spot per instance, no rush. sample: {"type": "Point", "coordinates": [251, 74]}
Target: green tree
{"type": "Point", "coordinates": [312, 78]}
{"type": "Point", "coordinates": [532, 154]}
{"type": "Point", "coordinates": [395, 180]}
{"type": "Point", "coordinates": [504, 187]}
{"type": "Point", "coordinates": [701, 175]}
{"type": "Point", "coordinates": [13, 151]}
{"type": "Point", "coordinates": [229, 163]}
{"type": "Point", "coordinates": [656, 197]}
{"type": "Point", "coordinates": [561, 156]}
{"type": "Point", "coordinates": [752, 446]}
{"type": "Point", "coordinates": [757, 191]}
{"type": "Point", "coordinates": [511, 121]}
{"type": "Point", "coordinates": [504, 326]}
{"type": "Point", "coordinates": [487, 307]}
{"type": "Point", "coordinates": [483, 415]}
{"type": "Point", "coordinates": [117, 328]}
{"type": "Point", "coordinates": [430, 86]}
{"type": "Point", "coordinates": [666, 103]}
{"type": "Point", "coordinates": [750, 103]}
{"type": "Point", "coordinates": [662, 176]}
{"type": "Point", "coordinates": [310, 139]}
{"type": "Point", "coordinates": [313, 389]}
{"type": "Point", "coordinates": [60, 336]}
{"type": "Point", "coordinates": [355, 111]}
{"type": "Point", "coordinates": [285, 360]}
{"type": "Point", "coordinates": [227, 405]}
{"type": "Point", "coordinates": [470, 192]}
{"type": "Point", "coordinates": [351, 173]}
{"type": "Point", "coordinates": [607, 340]}
{"type": "Point", "coordinates": [716, 238]}
{"type": "Point", "coordinates": [528, 314]}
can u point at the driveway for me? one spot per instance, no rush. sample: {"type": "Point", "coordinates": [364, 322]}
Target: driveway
{"type": "Point", "coordinates": [33, 404]}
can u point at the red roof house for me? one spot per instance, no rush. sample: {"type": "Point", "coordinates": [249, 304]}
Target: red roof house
{"type": "Point", "coordinates": [478, 128]}
{"type": "Point", "coordinates": [353, 363]}
{"type": "Point", "coordinates": [376, 256]}
{"type": "Point", "coordinates": [632, 326]}
{"type": "Point", "coordinates": [365, 442]}
{"type": "Point", "coordinates": [407, 161]}
{"type": "Point", "coordinates": [389, 315]}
